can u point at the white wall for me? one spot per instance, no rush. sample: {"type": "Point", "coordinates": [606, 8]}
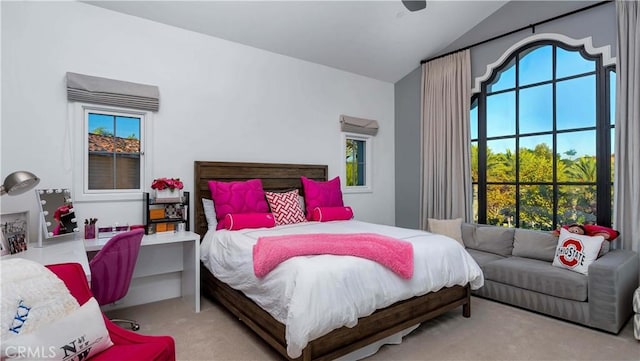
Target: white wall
{"type": "Point", "coordinates": [219, 101]}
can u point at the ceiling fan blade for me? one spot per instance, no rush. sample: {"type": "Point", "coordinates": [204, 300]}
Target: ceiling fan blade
{"type": "Point", "coordinates": [414, 5]}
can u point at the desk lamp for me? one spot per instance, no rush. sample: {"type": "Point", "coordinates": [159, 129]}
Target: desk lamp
{"type": "Point", "coordinates": [414, 5]}
{"type": "Point", "coordinates": [18, 183]}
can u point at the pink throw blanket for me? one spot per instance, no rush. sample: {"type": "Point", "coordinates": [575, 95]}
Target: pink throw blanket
{"type": "Point", "coordinates": [395, 254]}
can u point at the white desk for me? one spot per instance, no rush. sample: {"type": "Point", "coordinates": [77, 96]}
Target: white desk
{"type": "Point", "coordinates": [168, 266]}
{"type": "Point", "coordinates": [53, 252]}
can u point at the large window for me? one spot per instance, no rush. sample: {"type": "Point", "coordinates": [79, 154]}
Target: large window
{"type": "Point", "coordinates": [542, 140]}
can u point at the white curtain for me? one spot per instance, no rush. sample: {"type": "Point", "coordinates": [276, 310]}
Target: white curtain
{"type": "Point", "coordinates": [446, 171]}
{"type": "Point", "coordinates": [627, 150]}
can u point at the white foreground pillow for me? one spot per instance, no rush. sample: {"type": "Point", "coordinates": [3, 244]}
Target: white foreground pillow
{"type": "Point", "coordinates": [31, 296]}
{"type": "Point", "coordinates": [77, 336]}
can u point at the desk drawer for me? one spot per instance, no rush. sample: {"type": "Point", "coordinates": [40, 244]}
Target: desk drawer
{"type": "Point", "coordinates": [159, 259]}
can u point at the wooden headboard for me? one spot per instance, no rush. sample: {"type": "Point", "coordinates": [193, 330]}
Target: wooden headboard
{"type": "Point", "coordinates": [275, 177]}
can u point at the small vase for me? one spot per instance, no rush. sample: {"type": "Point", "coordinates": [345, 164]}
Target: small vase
{"type": "Point", "coordinates": [168, 195]}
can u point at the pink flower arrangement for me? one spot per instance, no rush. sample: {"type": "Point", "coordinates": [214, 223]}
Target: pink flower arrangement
{"type": "Point", "coordinates": [164, 183]}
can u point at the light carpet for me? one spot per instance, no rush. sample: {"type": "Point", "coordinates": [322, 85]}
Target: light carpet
{"type": "Point", "coordinates": [494, 332]}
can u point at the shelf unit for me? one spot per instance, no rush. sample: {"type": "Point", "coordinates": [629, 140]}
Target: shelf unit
{"type": "Point", "coordinates": [165, 216]}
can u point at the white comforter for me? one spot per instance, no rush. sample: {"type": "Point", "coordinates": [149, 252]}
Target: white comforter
{"type": "Point", "coordinates": [313, 295]}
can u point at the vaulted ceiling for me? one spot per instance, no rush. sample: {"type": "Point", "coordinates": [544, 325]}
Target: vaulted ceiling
{"type": "Point", "coordinates": [377, 39]}
{"type": "Point", "coordinates": [380, 39]}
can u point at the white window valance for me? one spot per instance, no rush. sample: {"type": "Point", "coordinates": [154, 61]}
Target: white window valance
{"type": "Point", "coordinates": [93, 89]}
{"type": "Point", "coordinates": [358, 125]}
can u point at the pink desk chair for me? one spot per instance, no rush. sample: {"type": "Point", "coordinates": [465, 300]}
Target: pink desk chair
{"type": "Point", "coordinates": [112, 269]}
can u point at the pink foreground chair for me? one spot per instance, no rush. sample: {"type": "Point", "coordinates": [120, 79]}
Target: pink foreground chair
{"type": "Point", "coordinates": [112, 269]}
{"type": "Point", "coordinates": [127, 345]}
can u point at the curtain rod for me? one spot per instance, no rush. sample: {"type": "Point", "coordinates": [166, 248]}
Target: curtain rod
{"type": "Point", "coordinates": [530, 26]}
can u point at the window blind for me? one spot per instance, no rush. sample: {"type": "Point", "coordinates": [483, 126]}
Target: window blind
{"type": "Point", "coordinates": [93, 89]}
{"type": "Point", "coordinates": [358, 125]}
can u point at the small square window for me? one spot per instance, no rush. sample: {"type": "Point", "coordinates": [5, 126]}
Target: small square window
{"type": "Point", "coordinates": [111, 158]}
{"type": "Point", "coordinates": [114, 153]}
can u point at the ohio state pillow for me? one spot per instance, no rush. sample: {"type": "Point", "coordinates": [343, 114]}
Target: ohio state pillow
{"type": "Point", "coordinates": [326, 214]}
{"type": "Point", "coordinates": [234, 222]}
{"type": "Point", "coordinates": [576, 252]}
{"type": "Point", "coordinates": [321, 194]}
{"type": "Point", "coordinates": [237, 197]}
{"type": "Point", "coordinates": [285, 207]}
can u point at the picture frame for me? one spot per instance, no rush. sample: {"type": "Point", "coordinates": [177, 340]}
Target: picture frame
{"type": "Point", "coordinates": [14, 228]}
{"type": "Point", "coordinates": [4, 248]}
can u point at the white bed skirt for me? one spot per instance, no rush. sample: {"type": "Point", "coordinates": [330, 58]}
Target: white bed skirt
{"type": "Point", "coordinates": [371, 349]}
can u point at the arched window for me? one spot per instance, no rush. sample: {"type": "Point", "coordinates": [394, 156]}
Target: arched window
{"type": "Point", "coordinates": [542, 139]}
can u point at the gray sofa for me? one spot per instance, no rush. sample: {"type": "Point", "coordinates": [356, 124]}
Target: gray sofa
{"type": "Point", "coordinates": [517, 270]}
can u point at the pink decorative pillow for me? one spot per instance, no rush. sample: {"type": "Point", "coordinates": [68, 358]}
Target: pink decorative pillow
{"type": "Point", "coordinates": [321, 194]}
{"type": "Point", "coordinates": [285, 207]}
{"type": "Point", "coordinates": [234, 222]}
{"type": "Point", "coordinates": [326, 214]}
{"type": "Point", "coordinates": [237, 197]}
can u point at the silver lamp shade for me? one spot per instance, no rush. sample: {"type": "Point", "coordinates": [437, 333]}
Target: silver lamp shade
{"type": "Point", "coordinates": [414, 5]}
{"type": "Point", "coordinates": [18, 183]}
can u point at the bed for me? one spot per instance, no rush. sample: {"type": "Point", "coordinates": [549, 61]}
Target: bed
{"type": "Point", "coordinates": [379, 325]}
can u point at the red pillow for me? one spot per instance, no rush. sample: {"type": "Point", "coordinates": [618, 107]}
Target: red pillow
{"type": "Point", "coordinates": [606, 232]}
{"type": "Point", "coordinates": [326, 214]}
{"type": "Point", "coordinates": [321, 194]}
{"type": "Point", "coordinates": [237, 197]}
{"type": "Point", "coordinates": [234, 222]}
{"type": "Point", "coordinates": [609, 234]}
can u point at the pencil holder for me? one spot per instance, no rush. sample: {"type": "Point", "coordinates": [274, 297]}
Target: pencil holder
{"type": "Point", "coordinates": [90, 231]}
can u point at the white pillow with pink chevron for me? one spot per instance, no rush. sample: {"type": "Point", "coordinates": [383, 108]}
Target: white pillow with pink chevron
{"type": "Point", "coordinates": [285, 207]}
